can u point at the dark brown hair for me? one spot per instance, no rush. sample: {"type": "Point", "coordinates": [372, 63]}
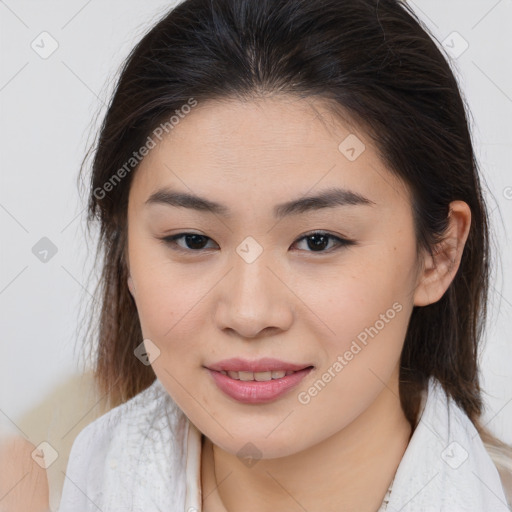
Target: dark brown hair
{"type": "Point", "coordinates": [373, 60]}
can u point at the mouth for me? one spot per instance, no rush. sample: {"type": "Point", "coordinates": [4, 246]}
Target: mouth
{"type": "Point", "coordinates": [259, 381]}
{"type": "Point", "coordinates": [258, 376]}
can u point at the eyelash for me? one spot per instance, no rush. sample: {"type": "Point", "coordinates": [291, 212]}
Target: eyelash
{"type": "Point", "coordinates": [342, 242]}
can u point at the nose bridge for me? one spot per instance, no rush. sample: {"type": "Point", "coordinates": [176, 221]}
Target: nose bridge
{"type": "Point", "coordinates": [250, 299]}
{"type": "Point", "coordinates": [251, 279]}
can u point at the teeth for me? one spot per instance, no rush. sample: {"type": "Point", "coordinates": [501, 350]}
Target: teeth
{"type": "Point", "coordinates": [257, 376]}
{"type": "Point", "coordinates": [263, 376]}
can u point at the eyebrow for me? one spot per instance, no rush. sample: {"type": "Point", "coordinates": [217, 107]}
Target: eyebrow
{"type": "Point", "coordinates": [328, 198]}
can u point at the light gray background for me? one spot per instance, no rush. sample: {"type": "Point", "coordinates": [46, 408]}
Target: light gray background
{"type": "Point", "coordinates": [48, 111]}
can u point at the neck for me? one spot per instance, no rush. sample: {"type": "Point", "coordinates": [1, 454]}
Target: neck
{"type": "Point", "coordinates": [349, 471]}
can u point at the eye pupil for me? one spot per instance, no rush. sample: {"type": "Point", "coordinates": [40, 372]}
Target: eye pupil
{"type": "Point", "coordinates": [321, 244]}
{"type": "Point", "coordinates": [195, 239]}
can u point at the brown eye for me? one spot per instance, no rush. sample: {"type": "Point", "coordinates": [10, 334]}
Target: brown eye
{"type": "Point", "coordinates": [193, 241]}
{"type": "Point", "coordinates": [319, 241]}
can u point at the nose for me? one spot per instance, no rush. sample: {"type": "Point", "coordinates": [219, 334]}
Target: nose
{"type": "Point", "coordinates": [253, 301]}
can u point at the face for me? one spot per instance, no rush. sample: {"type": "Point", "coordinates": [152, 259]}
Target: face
{"type": "Point", "coordinates": [324, 286]}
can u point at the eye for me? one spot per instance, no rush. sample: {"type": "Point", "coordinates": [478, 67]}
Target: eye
{"type": "Point", "coordinates": [192, 241]}
{"type": "Point", "coordinates": [318, 241]}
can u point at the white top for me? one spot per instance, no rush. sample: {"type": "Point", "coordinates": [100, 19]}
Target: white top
{"type": "Point", "coordinates": [145, 456]}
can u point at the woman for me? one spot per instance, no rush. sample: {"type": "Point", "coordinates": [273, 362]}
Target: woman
{"type": "Point", "coordinates": [295, 270]}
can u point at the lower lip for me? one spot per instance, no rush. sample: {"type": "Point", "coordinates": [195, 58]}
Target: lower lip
{"type": "Point", "coordinates": [257, 392]}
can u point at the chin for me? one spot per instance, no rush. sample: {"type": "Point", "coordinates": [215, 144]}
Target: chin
{"type": "Point", "coordinates": [255, 445]}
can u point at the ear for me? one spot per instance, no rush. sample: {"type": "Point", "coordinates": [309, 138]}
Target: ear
{"type": "Point", "coordinates": [438, 271]}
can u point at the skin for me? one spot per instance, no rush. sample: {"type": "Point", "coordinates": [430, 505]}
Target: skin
{"type": "Point", "coordinates": [340, 451]}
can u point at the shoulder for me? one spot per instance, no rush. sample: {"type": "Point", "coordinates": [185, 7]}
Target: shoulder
{"type": "Point", "coordinates": [111, 446]}
{"type": "Point", "coordinates": [447, 460]}
{"type": "Point", "coordinates": [140, 409]}
{"type": "Point", "coordinates": [493, 458]}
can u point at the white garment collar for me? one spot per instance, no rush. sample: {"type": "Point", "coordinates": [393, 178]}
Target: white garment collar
{"type": "Point", "coordinates": [446, 466]}
{"type": "Point", "coordinates": [145, 456]}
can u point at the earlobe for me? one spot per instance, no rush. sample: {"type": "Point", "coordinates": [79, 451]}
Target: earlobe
{"type": "Point", "coordinates": [440, 269]}
{"type": "Point", "coordinates": [437, 275]}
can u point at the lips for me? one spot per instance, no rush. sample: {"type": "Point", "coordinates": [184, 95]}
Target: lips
{"type": "Point", "coordinates": [255, 382]}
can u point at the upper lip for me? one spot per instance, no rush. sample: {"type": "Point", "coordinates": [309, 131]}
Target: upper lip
{"type": "Point", "coordinates": [237, 364]}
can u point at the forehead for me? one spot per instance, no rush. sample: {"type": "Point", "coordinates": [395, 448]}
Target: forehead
{"type": "Point", "coordinates": [281, 145]}
{"type": "Point", "coordinates": [275, 126]}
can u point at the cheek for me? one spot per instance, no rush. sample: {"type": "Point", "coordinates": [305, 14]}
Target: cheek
{"type": "Point", "coordinates": [355, 297]}
{"type": "Point", "coordinates": [168, 295]}
{"type": "Point", "coordinates": [364, 310]}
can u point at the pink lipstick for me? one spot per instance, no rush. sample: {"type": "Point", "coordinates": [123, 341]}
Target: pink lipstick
{"type": "Point", "coordinates": [260, 381]}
